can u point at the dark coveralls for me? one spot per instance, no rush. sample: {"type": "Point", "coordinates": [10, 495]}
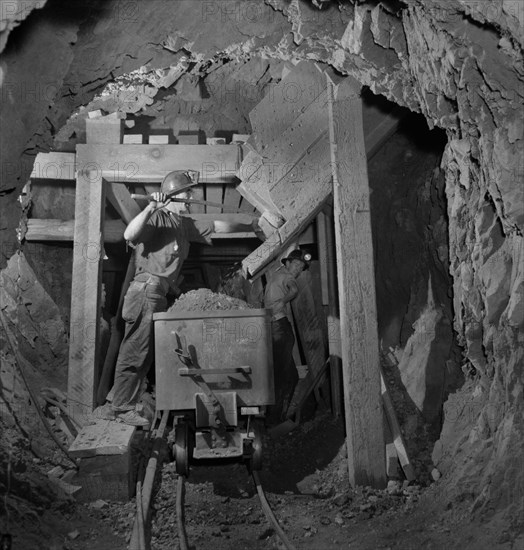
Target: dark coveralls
{"type": "Point", "coordinates": [285, 372]}
{"type": "Point", "coordinates": [161, 250]}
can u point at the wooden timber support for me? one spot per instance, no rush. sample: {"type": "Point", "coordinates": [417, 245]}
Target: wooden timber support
{"type": "Point", "coordinates": [63, 230]}
{"type": "Point", "coordinates": [356, 283]}
{"type": "Point", "coordinates": [326, 251]}
{"type": "Point", "coordinates": [88, 254]}
{"type": "Point", "coordinates": [150, 163]}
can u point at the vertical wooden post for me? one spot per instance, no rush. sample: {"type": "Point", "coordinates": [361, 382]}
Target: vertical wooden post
{"type": "Point", "coordinates": [326, 251]}
{"type": "Point", "coordinates": [88, 254]}
{"type": "Point", "coordinates": [356, 283]}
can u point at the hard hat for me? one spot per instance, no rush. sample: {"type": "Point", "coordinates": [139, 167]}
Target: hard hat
{"type": "Point", "coordinates": [297, 255]}
{"type": "Point", "coordinates": [175, 182]}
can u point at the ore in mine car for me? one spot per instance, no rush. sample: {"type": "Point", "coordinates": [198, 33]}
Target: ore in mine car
{"type": "Point", "coordinates": [214, 371]}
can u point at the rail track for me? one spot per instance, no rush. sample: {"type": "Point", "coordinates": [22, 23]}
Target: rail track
{"type": "Point", "coordinates": [139, 536]}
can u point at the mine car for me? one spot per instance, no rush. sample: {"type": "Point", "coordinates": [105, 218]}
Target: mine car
{"type": "Point", "coordinates": [214, 371]}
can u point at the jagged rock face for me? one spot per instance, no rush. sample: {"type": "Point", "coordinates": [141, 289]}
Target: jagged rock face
{"type": "Point", "coordinates": [458, 63]}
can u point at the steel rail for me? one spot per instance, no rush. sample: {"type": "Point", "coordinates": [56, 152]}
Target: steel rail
{"type": "Point", "coordinates": [147, 485]}
{"type": "Point", "coordinates": [269, 513]}
{"type": "Point", "coordinates": [181, 527]}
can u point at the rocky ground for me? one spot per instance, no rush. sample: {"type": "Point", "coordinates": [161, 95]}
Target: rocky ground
{"type": "Point", "coordinates": [306, 483]}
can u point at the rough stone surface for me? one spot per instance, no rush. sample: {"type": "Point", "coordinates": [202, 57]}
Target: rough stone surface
{"type": "Point", "coordinates": [423, 364]}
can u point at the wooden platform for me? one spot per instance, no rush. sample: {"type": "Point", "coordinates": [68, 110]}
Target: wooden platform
{"type": "Point", "coordinates": [103, 438]}
{"type": "Point", "coordinates": [108, 460]}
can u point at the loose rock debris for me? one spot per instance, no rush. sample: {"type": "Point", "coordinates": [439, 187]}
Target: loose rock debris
{"type": "Point", "coordinates": [204, 299]}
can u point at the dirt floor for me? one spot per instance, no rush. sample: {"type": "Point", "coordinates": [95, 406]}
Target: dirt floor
{"type": "Point", "coordinates": [305, 479]}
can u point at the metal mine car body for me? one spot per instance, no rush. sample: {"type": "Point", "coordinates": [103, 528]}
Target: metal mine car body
{"type": "Point", "coordinates": [214, 371]}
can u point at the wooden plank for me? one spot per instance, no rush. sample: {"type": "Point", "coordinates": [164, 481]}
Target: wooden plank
{"type": "Point", "coordinates": [39, 230]}
{"type": "Point", "coordinates": [133, 139]}
{"type": "Point", "coordinates": [309, 179]}
{"type": "Point", "coordinates": [324, 254]}
{"type": "Point", "coordinates": [247, 207]}
{"type": "Point", "coordinates": [240, 138]}
{"type": "Point", "coordinates": [257, 197]}
{"type": "Point", "coordinates": [298, 139]}
{"type": "Point", "coordinates": [60, 230]}
{"type": "Point", "coordinates": [266, 252]}
{"type": "Point", "coordinates": [232, 198]}
{"type": "Point", "coordinates": [158, 139]}
{"type": "Point", "coordinates": [284, 103]}
{"type": "Point", "coordinates": [297, 197]}
{"type": "Point", "coordinates": [188, 139]}
{"type": "Point", "coordinates": [56, 166]}
{"type": "Point", "coordinates": [327, 261]}
{"type": "Point", "coordinates": [356, 282]}
{"type": "Point", "coordinates": [392, 464]}
{"type": "Point", "coordinates": [214, 193]}
{"type": "Point", "coordinates": [293, 162]}
{"type": "Point", "coordinates": [254, 182]}
{"type": "Point", "coordinates": [396, 432]}
{"type": "Point", "coordinates": [105, 437]}
{"type": "Point", "coordinates": [150, 163]}
{"type": "Point", "coordinates": [104, 130]}
{"type": "Point", "coordinates": [85, 292]}
{"type": "Point", "coordinates": [118, 195]}
{"type": "Point", "coordinates": [294, 165]}
{"type": "Point", "coordinates": [253, 265]}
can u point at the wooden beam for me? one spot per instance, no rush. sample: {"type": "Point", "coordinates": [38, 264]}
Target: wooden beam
{"type": "Point", "coordinates": [150, 163]}
{"type": "Point", "coordinates": [103, 438]}
{"type": "Point", "coordinates": [278, 180]}
{"type": "Point", "coordinates": [356, 282]}
{"type": "Point", "coordinates": [297, 140]}
{"type": "Point", "coordinates": [232, 199]}
{"type": "Point", "coordinates": [42, 230]}
{"type": "Point", "coordinates": [309, 179]}
{"type": "Point", "coordinates": [254, 264]}
{"type": "Point", "coordinates": [104, 130]}
{"type": "Point", "coordinates": [254, 184]}
{"type": "Point", "coordinates": [63, 230]}
{"type": "Point", "coordinates": [85, 294]}
{"type": "Point", "coordinates": [328, 270]}
{"type": "Point", "coordinates": [214, 194]}
{"type": "Point", "coordinates": [308, 326]}
{"type": "Point", "coordinates": [396, 432]}
{"type": "Point", "coordinates": [118, 195]}
{"type": "Point", "coordinates": [284, 103]}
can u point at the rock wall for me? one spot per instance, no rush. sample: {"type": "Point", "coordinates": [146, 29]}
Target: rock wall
{"type": "Point", "coordinates": [457, 62]}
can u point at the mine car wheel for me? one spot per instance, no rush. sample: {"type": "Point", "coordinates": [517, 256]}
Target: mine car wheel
{"type": "Point", "coordinates": [181, 448]}
{"type": "Point", "coordinates": [256, 457]}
